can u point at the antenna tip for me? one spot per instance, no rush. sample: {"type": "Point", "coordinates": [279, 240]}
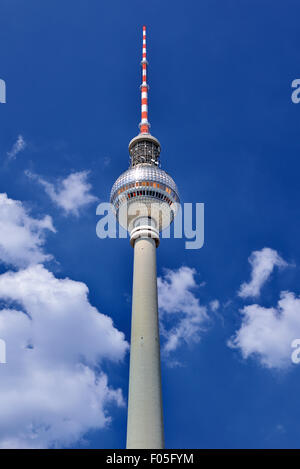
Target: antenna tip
{"type": "Point", "coordinates": [144, 28]}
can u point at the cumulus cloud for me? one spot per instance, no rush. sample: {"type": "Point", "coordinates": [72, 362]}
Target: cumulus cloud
{"type": "Point", "coordinates": [267, 333]}
{"type": "Point", "coordinates": [214, 305]}
{"type": "Point", "coordinates": [262, 265]}
{"type": "Point", "coordinates": [53, 389]}
{"type": "Point", "coordinates": [70, 194]}
{"type": "Point", "coordinates": [21, 237]}
{"type": "Point", "coordinates": [17, 147]}
{"type": "Point", "coordinates": [50, 393]}
{"type": "Point", "coordinates": [179, 304]}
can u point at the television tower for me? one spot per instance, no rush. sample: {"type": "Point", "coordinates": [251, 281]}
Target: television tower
{"type": "Point", "coordinates": [145, 201]}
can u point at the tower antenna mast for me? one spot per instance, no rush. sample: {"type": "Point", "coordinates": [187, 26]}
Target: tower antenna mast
{"type": "Point", "coordinates": [144, 124]}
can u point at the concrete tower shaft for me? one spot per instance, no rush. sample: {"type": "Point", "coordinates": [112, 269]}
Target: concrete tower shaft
{"type": "Point", "coordinates": [145, 417]}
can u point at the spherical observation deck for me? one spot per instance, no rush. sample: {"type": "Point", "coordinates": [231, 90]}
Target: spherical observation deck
{"type": "Point", "coordinates": [144, 192]}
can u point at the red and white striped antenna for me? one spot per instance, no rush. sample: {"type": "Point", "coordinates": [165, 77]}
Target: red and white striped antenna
{"type": "Point", "coordinates": [144, 124]}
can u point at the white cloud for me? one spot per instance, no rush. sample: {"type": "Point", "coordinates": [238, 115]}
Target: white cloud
{"type": "Point", "coordinates": [50, 393]}
{"type": "Point", "coordinates": [214, 305]}
{"type": "Point", "coordinates": [21, 236]}
{"type": "Point", "coordinates": [262, 265]}
{"type": "Point", "coordinates": [53, 389]}
{"type": "Point", "coordinates": [178, 303]}
{"type": "Point", "coordinates": [267, 333]}
{"type": "Point", "coordinates": [71, 194]}
{"type": "Point", "coordinates": [17, 147]}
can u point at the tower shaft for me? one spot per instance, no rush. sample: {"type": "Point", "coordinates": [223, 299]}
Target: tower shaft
{"type": "Point", "coordinates": [145, 418]}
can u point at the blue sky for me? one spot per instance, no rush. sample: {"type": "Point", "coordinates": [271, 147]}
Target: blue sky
{"type": "Point", "coordinates": [220, 78]}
